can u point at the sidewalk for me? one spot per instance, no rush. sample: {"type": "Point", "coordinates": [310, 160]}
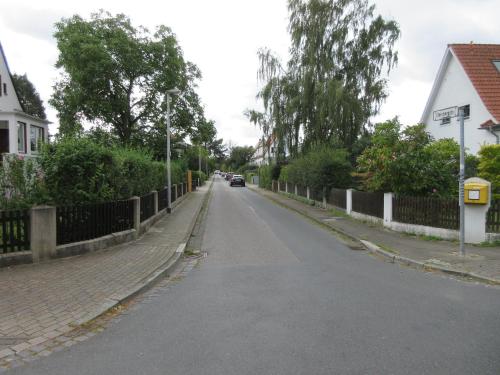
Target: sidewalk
{"type": "Point", "coordinates": [481, 263]}
{"type": "Point", "coordinates": [42, 301]}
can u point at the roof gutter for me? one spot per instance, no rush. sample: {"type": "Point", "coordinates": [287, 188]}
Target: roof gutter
{"type": "Point", "coordinates": [490, 129]}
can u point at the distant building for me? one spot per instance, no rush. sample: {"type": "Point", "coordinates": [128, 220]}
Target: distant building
{"type": "Point", "coordinates": [469, 77]}
{"type": "Point", "coordinates": [20, 133]}
{"type": "Point", "coordinates": [265, 151]}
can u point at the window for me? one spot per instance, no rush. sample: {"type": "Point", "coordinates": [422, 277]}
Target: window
{"type": "Point", "coordinates": [36, 137]}
{"type": "Point", "coordinates": [466, 109]}
{"type": "Point", "coordinates": [5, 89]}
{"type": "Point", "coordinates": [497, 64]}
{"type": "Point", "coordinates": [21, 137]}
{"type": "Point", "coordinates": [0, 85]}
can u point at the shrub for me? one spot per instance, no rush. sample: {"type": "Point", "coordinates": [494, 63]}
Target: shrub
{"type": "Point", "coordinates": [323, 167]}
{"type": "Point", "coordinates": [489, 166]}
{"type": "Point", "coordinates": [266, 176]}
{"type": "Point", "coordinates": [199, 174]}
{"type": "Point", "coordinates": [80, 171]}
{"type": "Point", "coordinates": [21, 183]}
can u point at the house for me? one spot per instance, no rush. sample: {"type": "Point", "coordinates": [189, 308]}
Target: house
{"type": "Point", "coordinates": [265, 151]}
{"type": "Point", "coordinates": [20, 133]}
{"type": "Point", "coordinates": [468, 77]}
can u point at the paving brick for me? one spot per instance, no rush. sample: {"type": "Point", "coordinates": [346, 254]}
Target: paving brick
{"type": "Point", "coordinates": [6, 352]}
{"type": "Point", "coordinates": [43, 301]}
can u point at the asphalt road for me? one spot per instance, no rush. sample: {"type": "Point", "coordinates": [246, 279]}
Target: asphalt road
{"type": "Point", "coordinates": [279, 295]}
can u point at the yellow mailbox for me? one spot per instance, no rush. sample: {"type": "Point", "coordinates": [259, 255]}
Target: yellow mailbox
{"type": "Point", "coordinates": [476, 193]}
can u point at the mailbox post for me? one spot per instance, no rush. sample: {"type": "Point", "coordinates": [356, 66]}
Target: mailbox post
{"type": "Point", "coordinates": [477, 198]}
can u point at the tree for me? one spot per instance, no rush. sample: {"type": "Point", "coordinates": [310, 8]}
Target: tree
{"type": "Point", "coordinates": [335, 79]}
{"type": "Point", "coordinates": [117, 74]}
{"type": "Point", "coordinates": [240, 155]}
{"type": "Point", "coordinates": [28, 96]}
{"type": "Point", "coordinates": [409, 162]}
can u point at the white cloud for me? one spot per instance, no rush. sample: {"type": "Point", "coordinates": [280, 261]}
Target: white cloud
{"type": "Point", "coordinates": [223, 36]}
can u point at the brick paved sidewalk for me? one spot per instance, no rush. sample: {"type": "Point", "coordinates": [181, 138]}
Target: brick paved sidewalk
{"type": "Point", "coordinates": [481, 261]}
{"type": "Point", "coordinates": [41, 301]}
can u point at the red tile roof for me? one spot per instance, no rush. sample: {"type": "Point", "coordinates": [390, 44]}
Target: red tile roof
{"type": "Point", "coordinates": [477, 61]}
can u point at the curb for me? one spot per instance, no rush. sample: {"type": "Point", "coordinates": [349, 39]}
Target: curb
{"type": "Point", "coordinates": [305, 214]}
{"type": "Point", "coordinates": [393, 257]}
{"type": "Point", "coordinates": [426, 266]}
{"type": "Point", "coordinates": [147, 283]}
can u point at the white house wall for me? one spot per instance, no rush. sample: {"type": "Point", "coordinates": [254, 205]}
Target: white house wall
{"type": "Point", "coordinates": [457, 90]}
{"type": "Point", "coordinates": [8, 102]}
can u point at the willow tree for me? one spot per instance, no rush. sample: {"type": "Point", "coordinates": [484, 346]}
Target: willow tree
{"type": "Point", "coordinates": [336, 78]}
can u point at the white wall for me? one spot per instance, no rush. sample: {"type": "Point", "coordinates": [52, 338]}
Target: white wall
{"type": "Point", "coordinates": [457, 90]}
{"type": "Point", "coordinates": [8, 102]}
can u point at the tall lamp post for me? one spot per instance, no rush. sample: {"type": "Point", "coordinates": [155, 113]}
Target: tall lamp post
{"type": "Point", "coordinates": [174, 91]}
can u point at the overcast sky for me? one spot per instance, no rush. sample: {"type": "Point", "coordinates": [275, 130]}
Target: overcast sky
{"type": "Point", "coordinates": [223, 36]}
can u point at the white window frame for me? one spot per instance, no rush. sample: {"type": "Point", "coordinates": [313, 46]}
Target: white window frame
{"type": "Point", "coordinates": [22, 144]}
{"type": "Point", "coordinates": [39, 137]}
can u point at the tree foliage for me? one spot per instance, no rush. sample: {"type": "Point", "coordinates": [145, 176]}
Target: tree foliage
{"type": "Point", "coordinates": [28, 96]}
{"type": "Point", "coordinates": [335, 79]}
{"type": "Point", "coordinates": [323, 167]}
{"type": "Point", "coordinates": [116, 74]}
{"type": "Point", "coordinates": [409, 162]}
{"type": "Point", "coordinates": [240, 155]}
{"type": "Point", "coordinates": [489, 166]}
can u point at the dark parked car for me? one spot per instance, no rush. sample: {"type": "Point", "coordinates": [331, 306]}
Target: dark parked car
{"type": "Point", "coordinates": [237, 180]}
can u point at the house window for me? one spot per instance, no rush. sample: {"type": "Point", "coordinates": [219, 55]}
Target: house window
{"type": "Point", "coordinates": [21, 137]}
{"type": "Point", "coordinates": [466, 109]}
{"type": "Point", "coordinates": [36, 137]}
{"type": "Point", "coordinates": [5, 89]}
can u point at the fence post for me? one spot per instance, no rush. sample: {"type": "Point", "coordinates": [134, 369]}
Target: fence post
{"type": "Point", "coordinates": [155, 195]}
{"type": "Point", "coordinates": [324, 197]}
{"type": "Point", "coordinates": [43, 232]}
{"type": "Point", "coordinates": [348, 201]}
{"type": "Point", "coordinates": [388, 209]}
{"type": "Point", "coordinates": [308, 192]}
{"type": "Point", "coordinates": [175, 191]}
{"type": "Point", "coordinates": [136, 215]}
{"type": "Point", "coordinates": [286, 186]}
{"type": "Point", "coordinates": [296, 190]}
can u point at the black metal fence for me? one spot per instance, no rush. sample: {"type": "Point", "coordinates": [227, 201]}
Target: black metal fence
{"type": "Point", "coordinates": [173, 193]}
{"type": "Point", "coordinates": [429, 211]}
{"type": "Point", "coordinates": [493, 217]}
{"type": "Point", "coordinates": [147, 206]}
{"type": "Point", "coordinates": [368, 203]}
{"type": "Point", "coordinates": [14, 231]}
{"type": "Point", "coordinates": [290, 188]}
{"type": "Point", "coordinates": [281, 185]}
{"type": "Point", "coordinates": [162, 199]}
{"type": "Point", "coordinates": [337, 197]}
{"type": "Point", "coordinates": [81, 223]}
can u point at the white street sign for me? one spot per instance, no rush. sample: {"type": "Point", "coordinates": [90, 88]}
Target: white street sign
{"type": "Point", "coordinates": [445, 113]}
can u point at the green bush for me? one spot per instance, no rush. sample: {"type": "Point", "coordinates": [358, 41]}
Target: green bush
{"type": "Point", "coordinates": [21, 183]}
{"type": "Point", "coordinates": [323, 167]}
{"type": "Point", "coordinates": [266, 176]}
{"type": "Point", "coordinates": [80, 171]}
{"type": "Point", "coordinates": [197, 174]}
{"type": "Point", "coordinates": [409, 162]}
{"type": "Point", "coordinates": [489, 167]}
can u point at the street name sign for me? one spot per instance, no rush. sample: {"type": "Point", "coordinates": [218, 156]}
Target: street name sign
{"type": "Point", "coordinates": [445, 113]}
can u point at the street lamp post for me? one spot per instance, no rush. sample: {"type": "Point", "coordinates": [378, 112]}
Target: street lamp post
{"type": "Point", "coordinates": [174, 91]}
